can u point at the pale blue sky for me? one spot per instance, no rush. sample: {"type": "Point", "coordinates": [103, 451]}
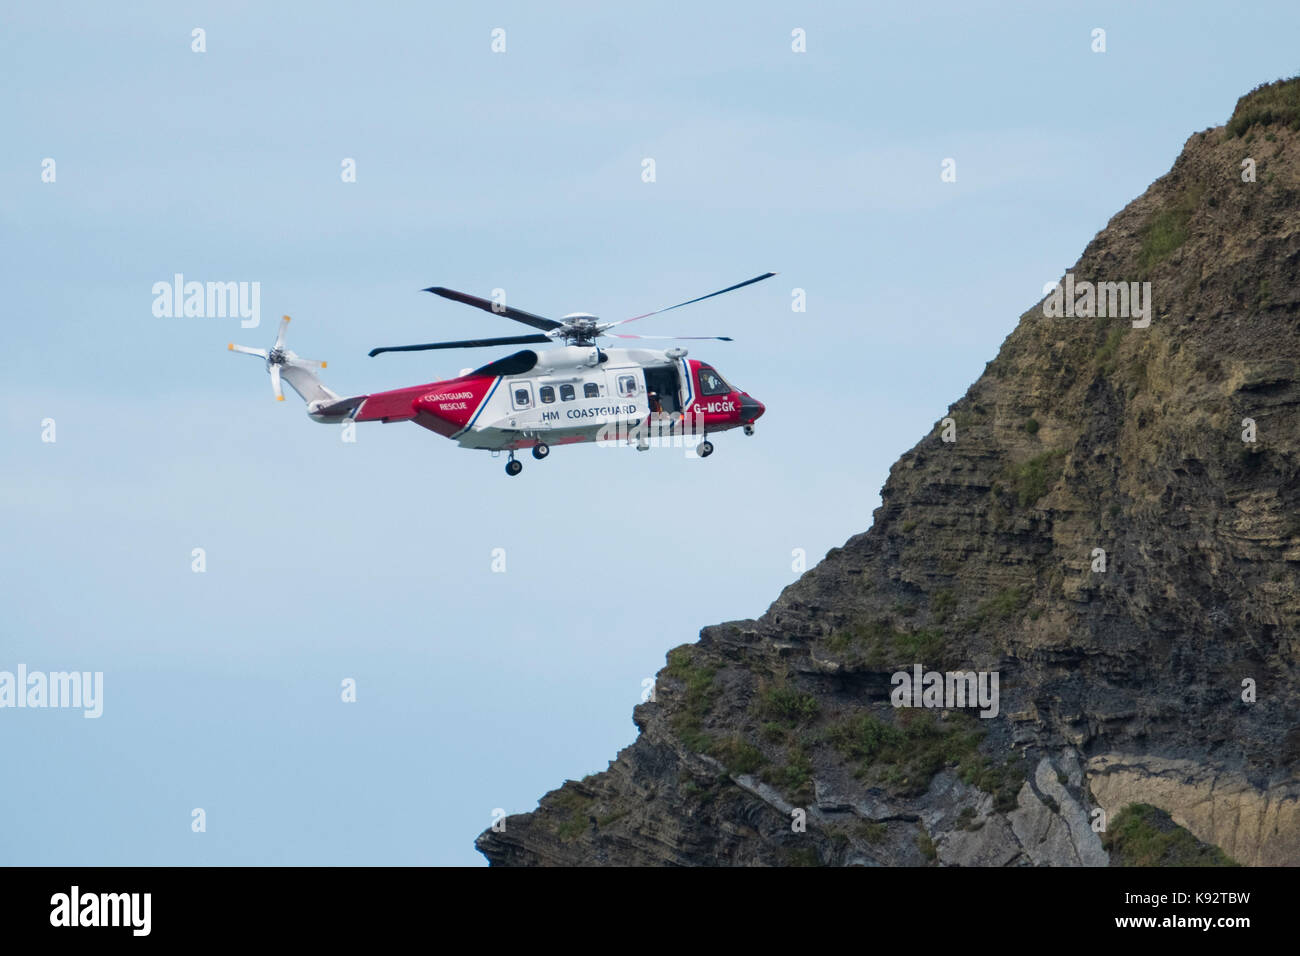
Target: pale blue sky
{"type": "Point", "coordinates": [479, 170]}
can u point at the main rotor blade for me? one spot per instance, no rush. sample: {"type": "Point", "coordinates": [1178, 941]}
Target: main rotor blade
{"type": "Point", "coordinates": [730, 288]}
{"type": "Point", "coordinates": [715, 338]}
{"type": "Point", "coordinates": [496, 308]}
{"type": "Point", "coordinates": [467, 344]}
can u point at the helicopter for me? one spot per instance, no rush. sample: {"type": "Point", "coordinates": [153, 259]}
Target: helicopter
{"type": "Point", "coordinates": [573, 393]}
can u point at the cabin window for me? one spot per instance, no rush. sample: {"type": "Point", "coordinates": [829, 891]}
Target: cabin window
{"type": "Point", "coordinates": [566, 393]}
{"type": "Point", "coordinates": [591, 390]}
{"type": "Point", "coordinates": [711, 382]}
{"type": "Point", "coordinates": [627, 384]}
{"type": "Point", "coordinates": [547, 394]}
{"type": "Point", "coordinates": [522, 395]}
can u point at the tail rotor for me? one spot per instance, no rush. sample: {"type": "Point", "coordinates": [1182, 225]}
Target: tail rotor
{"type": "Point", "coordinates": [281, 362]}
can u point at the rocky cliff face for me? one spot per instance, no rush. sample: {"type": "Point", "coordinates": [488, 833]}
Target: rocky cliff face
{"type": "Point", "coordinates": [1093, 522]}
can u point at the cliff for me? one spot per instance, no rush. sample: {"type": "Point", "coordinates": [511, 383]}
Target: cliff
{"type": "Point", "coordinates": [1109, 520]}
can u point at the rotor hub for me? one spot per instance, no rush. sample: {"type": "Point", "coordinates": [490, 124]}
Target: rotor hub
{"type": "Point", "coordinates": [579, 328]}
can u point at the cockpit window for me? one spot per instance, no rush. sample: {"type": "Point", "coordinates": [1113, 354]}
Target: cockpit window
{"type": "Point", "coordinates": [711, 382]}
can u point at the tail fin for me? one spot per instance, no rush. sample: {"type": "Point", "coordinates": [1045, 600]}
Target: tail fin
{"type": "Point", "coordinates": [305, 382]}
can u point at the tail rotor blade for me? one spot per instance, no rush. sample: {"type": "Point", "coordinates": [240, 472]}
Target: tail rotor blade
{"type": "Point", "coordinates": [279, 337]}
{"type": "Point", "coordinates": [275, 383]}
{"type": "Point", "coordinates": [307, 363]}
{"type": "Point", "coordinates": [245, 350]}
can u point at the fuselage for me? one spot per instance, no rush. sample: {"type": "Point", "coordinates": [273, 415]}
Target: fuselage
{"type": "Point", "coordinates": [567, 395]}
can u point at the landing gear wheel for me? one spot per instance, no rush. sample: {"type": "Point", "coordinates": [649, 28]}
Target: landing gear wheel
{"type": "Point", "coordinates": [705, 449]}
{"type": "Point", "coordinates": [541, 450]}
{"type": "Point", "coordinates": [514, 467]}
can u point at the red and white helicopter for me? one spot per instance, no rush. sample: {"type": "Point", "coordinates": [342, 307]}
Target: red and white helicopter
{"type": "Point", "coordinates": [577, 392]}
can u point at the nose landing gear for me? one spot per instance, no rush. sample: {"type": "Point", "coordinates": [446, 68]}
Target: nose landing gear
{"type": "Point", "coordinates": [514, 467]}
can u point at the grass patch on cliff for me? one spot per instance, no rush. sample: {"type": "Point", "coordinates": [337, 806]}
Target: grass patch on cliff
{"type": "Point", "coordinates": [1002, 606]}
{"type": "Point", "coordinates": [794, 777]}
{"type": "Point", "coordinates": [700, 694]}
{"type": "Point", "coordinates": [1167, 229]}
{"type": "Point", "coordinates": [737, 755]}
{"type": "Point", "coordinates": [926, 845]}
{"type": "Point", "coordinates": [864, 737]}
{"type": "Point", "coordinates": [703, 793]}
{"type": "Point", "coordinates": [905, 755]}
{"type": "Point", "coordinates": [925, 645]}
{"type": "Point", "coordinates": [784, 710]}
{"type": "Point", "coordinates": [1143, 835]}
{"type": "Point", "coordinates": [877, 644]}
{"type": "Point", "coordinates": [1104, 357]}
{"type": "Point", "coordinates": [576, 810]}
{"type": "Point", "coordinates": [785, 705]}
{"type": "Point", "coordinates": [803, 856]}
{"type": "Point", "coordinates": [872, 832]}
{"type": "Point", "coordinates": [1031, 479]}
{"type": "Point", "coordinates": [942, 605]}
{"type": "Point", "coordinates": [1002, 780]}
{"type": "Point", "coordinates": [1267, 104]}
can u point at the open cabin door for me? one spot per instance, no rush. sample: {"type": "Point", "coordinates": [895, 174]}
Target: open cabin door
{"type": "Point", "coordinates": [665, 382]}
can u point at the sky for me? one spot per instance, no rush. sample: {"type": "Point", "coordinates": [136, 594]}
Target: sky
{"type": "Point", "coordinates": [371, 562]}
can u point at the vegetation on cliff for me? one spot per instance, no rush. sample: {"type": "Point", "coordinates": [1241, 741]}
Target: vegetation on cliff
{"type": "Point", "coordinates": [1113, 531]}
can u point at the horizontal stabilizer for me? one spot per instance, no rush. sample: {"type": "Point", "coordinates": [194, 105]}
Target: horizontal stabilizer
{"type": "Point", "coordinates": [343, 406]}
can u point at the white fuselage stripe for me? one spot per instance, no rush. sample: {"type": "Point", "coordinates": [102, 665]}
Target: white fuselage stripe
{"type": "Point", "coordinates": [479, 411]}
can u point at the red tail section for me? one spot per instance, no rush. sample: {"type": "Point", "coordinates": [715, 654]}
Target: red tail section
{"type": "Point", "coordinates": [447, 408]}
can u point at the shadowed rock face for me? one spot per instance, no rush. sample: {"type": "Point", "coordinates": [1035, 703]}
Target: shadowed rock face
{"type": "Point", "coordinates": [1117, 686]}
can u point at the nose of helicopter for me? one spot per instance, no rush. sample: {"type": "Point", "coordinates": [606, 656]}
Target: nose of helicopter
{"type": "Point", "coordinates": [750, 408]}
